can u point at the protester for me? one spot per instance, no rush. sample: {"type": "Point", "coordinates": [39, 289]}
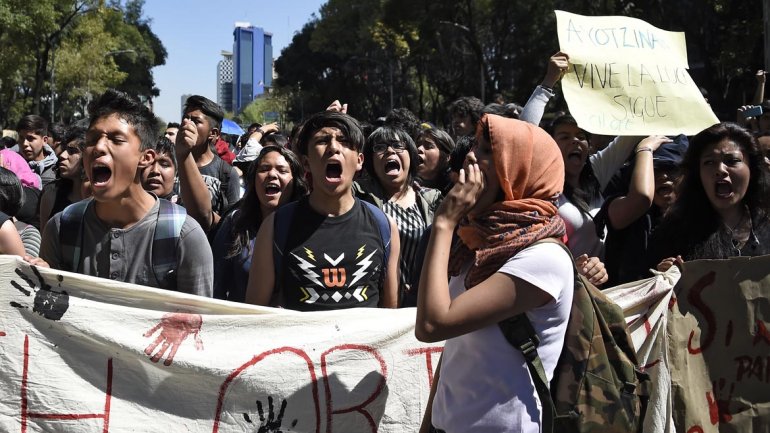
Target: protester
{"type": "Point", "coordinates": [208, 185]}
{"type": "Point", "coordinates": [723, 201]}
{"type": "Point", "coordinates": [159, 177]}
{"type": "Point", "coordinates": [275, 178]}
{"type": "Point", "coordinates": [33, 146]}
{"type": "Point", "coordinates": [71, 185]}
{"type": "Point", "coordinates": [254, 143]}
{"type": "Point", "coordinates": [18, 165]}
{"type": "Point", "coordinates": [433, 149]}
{"type": "Point", "coordinates": [503, 203]}
{"type": "Point", "coordinates": [465, 113]}
{"type": "Point", "coordinates": [390, 161]}
{"type": "Point", "coordinates": [10, 241]}
{"type": "Point", "coordinates": [172, 128]}
{"type": "Point", "coordinates": [647, 183]}
{"type": "Point", "coordinates": [11, 200]}
{"type": "Point", "coordinates": [55, 136]}
{"type": "Point", "coordinates": [332, 233]}
{"type": "Point", "coordinates": [122, 219]}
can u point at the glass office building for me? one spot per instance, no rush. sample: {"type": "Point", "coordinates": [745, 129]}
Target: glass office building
{"type": "Point", "coordinates": [252, 64]}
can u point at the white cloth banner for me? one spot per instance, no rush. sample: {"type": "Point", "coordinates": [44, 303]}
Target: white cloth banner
{"type": "Point", "coordinates": [90, 355]}
{"type": "Point", "coordinates": [85, 354]}
{"type": "Point", "coordinates": [645, 304]}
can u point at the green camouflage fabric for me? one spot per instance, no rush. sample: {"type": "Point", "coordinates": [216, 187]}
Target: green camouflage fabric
{"type": "Point", "coordinates": [597, 385]}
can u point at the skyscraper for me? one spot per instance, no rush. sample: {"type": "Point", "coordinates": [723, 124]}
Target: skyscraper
{"type": "Point", "coordinates": [252, 64]}
{"type": "Point", "coordinates": [181, 107]}
{"type": "Point", "coordinates": [225, 81]}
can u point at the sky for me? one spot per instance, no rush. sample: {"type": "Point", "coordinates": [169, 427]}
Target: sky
{"type": "Point", "coordinates": [194, 33]}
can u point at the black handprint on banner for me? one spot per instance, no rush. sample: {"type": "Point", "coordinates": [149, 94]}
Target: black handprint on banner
{"type": "Point", "coordinates": [48, 303]}
{"type": "Point", "coordinates": [272, 424]}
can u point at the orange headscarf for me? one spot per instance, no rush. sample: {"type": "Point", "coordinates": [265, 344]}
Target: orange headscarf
{"type": "Point", "coordinates": [530, 170]}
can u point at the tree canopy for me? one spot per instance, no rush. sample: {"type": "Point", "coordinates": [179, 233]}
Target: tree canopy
{"type": "Point", "coordinates": [73, 49]}
{"type": "Point", "coordinates": [422, 54]}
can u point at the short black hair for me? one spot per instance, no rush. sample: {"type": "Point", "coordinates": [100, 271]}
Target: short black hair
{"type": "Point", "coordinates": [467, 106]}
{"type": "Point", "coordinates": [463, 145]}
{"type": "Point", "coordinates": [275, 138]}
{"type": "Point", "coordinates": [129, 109]}
{"type": "Point", "coordinates": [77, 133]}
{"type": "Point", "coordinates": [164, 145]}
{"type": "Point", "coordinates": [404, 119]}
{"type": "Point", "coordinates": [7, 142]}
{"type": "Point", "coordinates": [32, 122]}
{"type": "Point", "coordinates": [57, 131]}
{"type": "Point", "coordinates": [11, 192]}
{"type": "Point", "coordinates": [347, 124]}
{"type": "Point", "coordinates": [208, 107]}
{"type": "Point", "coordinates": [173, 125]}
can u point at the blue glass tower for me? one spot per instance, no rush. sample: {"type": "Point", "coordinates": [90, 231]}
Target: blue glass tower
{"type": "Point", "coordinates": [252, 64]}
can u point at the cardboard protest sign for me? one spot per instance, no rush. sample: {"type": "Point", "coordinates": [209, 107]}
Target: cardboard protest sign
{"type": "Point", "coordinates": [84, 354]}
{"type": "Point", "coordinates": [719, 346]}
{"type": "Point", "coordinates": [627, 77]}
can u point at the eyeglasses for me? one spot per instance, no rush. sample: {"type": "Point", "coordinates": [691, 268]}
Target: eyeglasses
{"type": "Point", "coordinates": [397, 147]}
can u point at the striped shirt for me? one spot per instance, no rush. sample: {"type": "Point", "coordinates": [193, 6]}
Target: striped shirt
{"type": "Point", "coordinates": [411, 226]}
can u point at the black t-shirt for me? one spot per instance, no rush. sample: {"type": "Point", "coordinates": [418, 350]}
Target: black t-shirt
{"type": "Point", "coordinates": [626, 250]}
{"type": "Point", "coordinates": [222, 182]}
{"type": "Point", "coordinates": [332, 263]}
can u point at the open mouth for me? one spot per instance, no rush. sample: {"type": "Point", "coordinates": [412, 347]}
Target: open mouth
{"type": "Point", "coordinates": [723, 189]}
{"type": "Point", "coordinates": [272, 190]}
{"type": "Point", "coordinates": [333, 170]}
{"type": "Point", "coordinates": [154, 182]}
{"type": "Point", "coordinates": [420, 160]}
{"type": "Point", "coordinates": [100, 175]}
{"type": "Point", "coordinates": [576, 154]}
{"type": "Point", "coordinates": [665, 189]}
{"type": "Point", "coordinates": [392, 166]}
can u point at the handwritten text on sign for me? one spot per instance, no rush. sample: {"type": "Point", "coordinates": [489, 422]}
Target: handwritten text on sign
{"type": "Point", "coordinates": [627, 77]}
{"type": "Point", "coordinates": [720, 345]}
{"type": "Point", "coordinates": [90, 355]}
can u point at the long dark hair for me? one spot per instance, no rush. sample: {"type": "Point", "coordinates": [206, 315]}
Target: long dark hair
{"type": "Point", "coordinates": [249, 217]}
{"type": "Point", "coordinates": [702, 235]}
{"type": "Point", "coordinates": [702, 231]}
{"type": "Point", "coordinates": [445, 146]}
{"type": "Point", "coordinates": [588, 188]}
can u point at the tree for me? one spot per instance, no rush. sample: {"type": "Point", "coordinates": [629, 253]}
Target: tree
{"type": "Point", "coordinates": [255, 111]}
{"type": "Point", "coordinates": [81, 70]}
{"type": "Point", "coordinates": [70, 49]}
{"type": "Point", "coordinates": [150, 52]}
{"type": "Point", "coordinates": [429, 53]}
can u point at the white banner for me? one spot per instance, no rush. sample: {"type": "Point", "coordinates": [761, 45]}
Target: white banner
{"type": "Point", "coordinates": [90, 355]}
{"type": "Point", "coordinates": [645, 304]}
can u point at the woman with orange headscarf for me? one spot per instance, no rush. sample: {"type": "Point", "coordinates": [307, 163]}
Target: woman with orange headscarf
{"type": "Point", "coordinates": [503, 203]}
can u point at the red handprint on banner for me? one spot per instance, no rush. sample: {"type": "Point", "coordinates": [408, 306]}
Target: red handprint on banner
{"type": "Point", "coordinates": [174, 329]}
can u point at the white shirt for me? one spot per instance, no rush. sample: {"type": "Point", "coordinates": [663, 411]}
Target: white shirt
{"type": "Point", "coordinates": [581, 230]}
{"type": "Point", "coordinates": [484, 384]}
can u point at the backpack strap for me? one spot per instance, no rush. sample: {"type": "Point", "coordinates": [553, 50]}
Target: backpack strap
{"type": "Point", "coordinates": [520, 333]}
{"type": "Point", "coordinates": [165, 243]}
{"type": "Point", "coordinates": [71, 234]}
{"type": "Point", "coordinates": [383, 224]}
{"type": "Point", "coordinates": [224, 183]}
{"type": "Point", "coordinates": [283, 217]}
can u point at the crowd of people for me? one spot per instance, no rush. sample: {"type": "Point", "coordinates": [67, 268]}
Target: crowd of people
{"type": "Point", "coordinates": [390, 212]}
